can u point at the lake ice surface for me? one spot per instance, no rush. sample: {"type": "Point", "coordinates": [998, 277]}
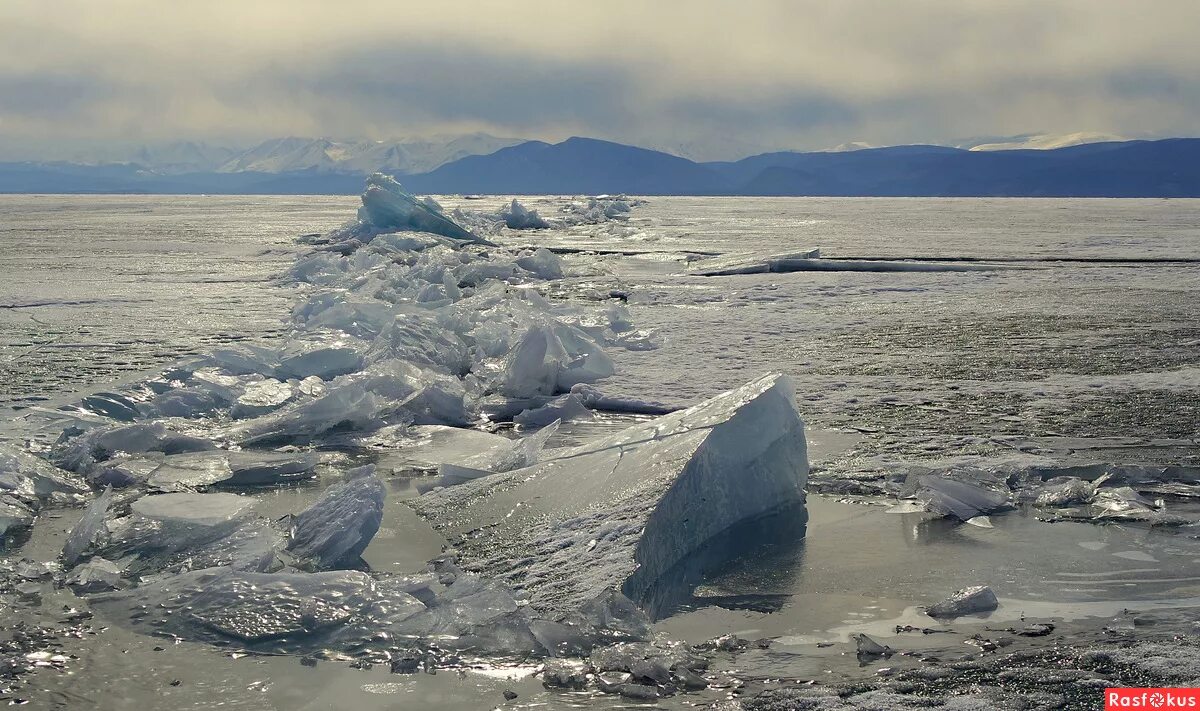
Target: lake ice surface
{"type": "Point", "coordinates": [1096, 359]}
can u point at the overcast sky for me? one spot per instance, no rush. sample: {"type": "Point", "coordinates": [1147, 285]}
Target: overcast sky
{"type": "Point", "coordinates": [696, 73]}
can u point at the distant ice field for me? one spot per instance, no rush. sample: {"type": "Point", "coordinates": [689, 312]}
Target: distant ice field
{"type": "Point", "coordinates": [94, 288]}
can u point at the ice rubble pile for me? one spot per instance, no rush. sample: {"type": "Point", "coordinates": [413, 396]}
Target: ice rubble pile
{"type": "Point", "coordinates": [410, 329]}
{"type": "Point", "coordinates": [28, 483]}
{"type": "Point", "coordinates": [516, 216]}
{"type": "Point", "coordinates": [408, 320]}
{"type": "Point", "coordinates": [562, 555]}
{"type": "Point", "coordinates": [969, 490]}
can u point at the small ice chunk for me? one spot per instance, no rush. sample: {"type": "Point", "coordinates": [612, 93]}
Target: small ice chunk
{"type": "Point", "coordinates": [345, 403]}
{"type": "Point", "coordinates": [78, 451]}
{"type": "Point", "coordinates": [14, 515]}
{"type": "Point", "coordinates": [94, 576]}
{"type": "Point", "coordinates": [192, 469]}
{"type": "Point", "coordinates": [522, 453]}
{"type": "Point", "coordinates": [84, 533]}
{"type": "Point", "coordinates": [125, 470]}
{"type": "Point", "coordinates": [963, 500]}
{"type": "Point", "coordinates": [424, 447]}
{"type": "Point", "coordinates": [967, 601]}
{"type": "Point", "coordinates": [221, 603]}
{"type": "Point", "coordinates": [530, 368]}
{"type": "Point", "coordinates": [245, 468]}
{"type": "Point", "coordinates": [562, 408]}
{"type": "Point", "coordinates": [542, 263]}
{"type": "Point", "coordinates": [1064, 491]}
{"type": "Point", "coordinates": [262, 397]}
{"type": "Point", "coordinates": [339, 525]}
{"type": "Point", "coordinates": [868, 648]}
{"type": "Point", "coordinates": [1122, 502]}
{"type": "Point", "coordinates": [250, 468]}
{"type": "Point", "coordinates": [552, 358]}
{"type": "Point", "coordinates": [518, 217]}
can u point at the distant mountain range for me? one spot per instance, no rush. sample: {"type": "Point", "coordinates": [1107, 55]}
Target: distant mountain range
{"type": "Point", "coordinates": [1162, 168]}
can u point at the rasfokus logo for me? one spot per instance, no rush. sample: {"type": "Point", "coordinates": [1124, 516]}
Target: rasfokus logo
{"type": "Point", "coordinates": [1151, 699]}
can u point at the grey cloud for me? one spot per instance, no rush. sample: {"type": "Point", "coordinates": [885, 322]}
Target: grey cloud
{"type": "Point", "coordinates": [780, 73]}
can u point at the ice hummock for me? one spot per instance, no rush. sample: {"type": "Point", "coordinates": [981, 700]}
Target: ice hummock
{"type": "Point", "coordinates": [518, 217]}
{"type": "Point", "coordinates": [386, 207]}
{"type": "Point", "coordinates": [616, 514]}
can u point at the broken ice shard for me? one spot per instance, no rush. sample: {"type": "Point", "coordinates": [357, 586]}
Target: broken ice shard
{"type": "Point", "coordinates": [83, 535]}
{"type": "Point", "coordinates": [616, 514]}
{"type": "Point", "coordinates": [957, 496]}
{"type": "Point", "coordinates": [164, 525]}
{"type": "Point", "coordinates": [14, 516]}
{"type": "Point", "coordinates": [515, 455]}
{"type": "Point", "coordinates": [337, 528]}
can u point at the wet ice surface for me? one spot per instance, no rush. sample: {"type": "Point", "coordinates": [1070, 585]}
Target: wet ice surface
{"type": "Point", "coordinates": [1061, 364]}
{"type": "Point", "coordinates": [98, 287]}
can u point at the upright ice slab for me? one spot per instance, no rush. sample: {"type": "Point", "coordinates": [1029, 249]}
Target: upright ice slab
{"type": "Point", "coordinates": [618, 513]}
{"type": "Point", "coordinates": [337, 528]}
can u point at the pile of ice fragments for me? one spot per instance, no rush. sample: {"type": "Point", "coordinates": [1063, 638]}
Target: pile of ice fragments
{"type": "Point", "coordinates": [412, 331]}
{"type": "Point", "coordinates": [970, 490]}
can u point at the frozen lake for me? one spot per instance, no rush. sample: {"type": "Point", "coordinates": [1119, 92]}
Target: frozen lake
{"type": "Point", "coordinates": [1086, 345]}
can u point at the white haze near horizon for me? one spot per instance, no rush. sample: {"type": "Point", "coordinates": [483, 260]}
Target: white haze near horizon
{"type": "Point", "coordinates": [705, 78]}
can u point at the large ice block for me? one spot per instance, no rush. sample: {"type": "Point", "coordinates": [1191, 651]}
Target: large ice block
{"type": "Point", "coordinates": [618, 513]}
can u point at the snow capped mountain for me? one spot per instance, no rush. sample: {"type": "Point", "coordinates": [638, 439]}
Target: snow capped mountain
{"type": "Point", "coordinates": [286, 155]}
{"type": "Point", "coordinates": [850, 146]}
{"type": "Point", "coordinates": [1042, 141]}
{"type": "Point", "coordinates": [406, 155]}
